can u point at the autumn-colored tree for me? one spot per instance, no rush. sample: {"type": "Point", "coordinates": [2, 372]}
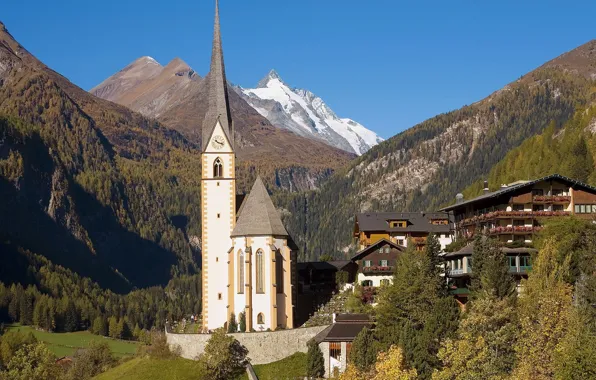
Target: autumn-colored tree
{"type": "Point", "coordinates": [392, 365]}
{"type": "Point", "coordinates": [224, 357]}
{"type": "Point", "coordinates": [544, 312]}
{"type": "Point", "coordinates": [33, 362]}
{"type": "Point", "coordinates": [389, 365]}
{"type": "Point", "coordinates": [484, 344]}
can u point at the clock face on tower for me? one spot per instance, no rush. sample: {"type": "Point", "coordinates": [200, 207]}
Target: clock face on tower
{"type": "Point", "coordinates": [218, 142]}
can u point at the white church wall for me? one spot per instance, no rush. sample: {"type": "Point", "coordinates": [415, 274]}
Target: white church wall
{"type": "Point", "coordinates": [261, 302]}
{"type": "Point", "coordinates": [218, 214]}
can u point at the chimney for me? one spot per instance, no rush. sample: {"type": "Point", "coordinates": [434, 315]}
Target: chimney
{"type": "Point", "coordinates": [486, 190]}
{"type": "Point", "coordinates": [459, 198]}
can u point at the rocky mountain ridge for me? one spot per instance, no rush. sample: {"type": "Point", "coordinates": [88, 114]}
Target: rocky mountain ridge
{"type": "Point", "coordinates": [306, 114]}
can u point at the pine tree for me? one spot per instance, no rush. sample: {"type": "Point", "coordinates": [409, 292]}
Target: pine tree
{"type": "Point", "coordinates": [99, 326]}
{"type": "Point", "coordinates": [363, 352]}
{"type": "Point", "coordinates": [415, 312]}
{"type": "Point", "coordinates": [315, 363]}
{"type": "Point", "coordinates": [432, 251]}
{"type": "Point", "coordinates": [232, 325]}
{"type": "Point", "coordinates": [242, 322]}
{"type": "Point", "coordinates": [491, 270]}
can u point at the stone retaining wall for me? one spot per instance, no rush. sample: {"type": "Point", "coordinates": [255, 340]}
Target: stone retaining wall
{"type": "Point", "coordinates": [263, 347]}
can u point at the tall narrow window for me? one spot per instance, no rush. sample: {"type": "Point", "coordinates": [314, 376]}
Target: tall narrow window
{"type": "Point", "coordinates": [260, 272]}
{"type": "Point", "coordinates": [279, 272]}
{"type": "Point", "coordinates": [260, 319]}
{"type": "Point", "coordinates": [240, 272]}
{"type": "Point", "coordinates": [217, 168]}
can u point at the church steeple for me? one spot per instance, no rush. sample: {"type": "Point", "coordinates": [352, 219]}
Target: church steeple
{"type": "Point", "coordinates": [219, 105]}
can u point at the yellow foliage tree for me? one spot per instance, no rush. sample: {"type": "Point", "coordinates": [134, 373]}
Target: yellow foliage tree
{"type": "Point", "coordinates": [544, 310]}
{"type": "Point", "coordinates": [390, 365]}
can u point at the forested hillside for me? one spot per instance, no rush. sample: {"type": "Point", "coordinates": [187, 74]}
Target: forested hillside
{"type": "Point", "coordinates": [569, 150]}
{"type": "Point", "coordinates": [425, 166]}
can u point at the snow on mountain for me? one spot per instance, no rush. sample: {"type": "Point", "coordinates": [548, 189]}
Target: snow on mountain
{"type": "Point", "coordinates": [305, 114]}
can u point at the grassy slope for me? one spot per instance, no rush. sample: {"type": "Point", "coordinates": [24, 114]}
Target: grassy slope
{"type": "Point", "coordinates": [152, 369]}
{"type": "Point", "coordinates": [64, 344]}
{"type": "Point", "coordinates": [293, 367]}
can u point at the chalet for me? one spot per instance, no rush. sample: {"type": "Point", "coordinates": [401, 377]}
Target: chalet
{"type": "Point", "coordinates": [336, 340]}
{"type": "Point", "coordinates": [512, 213]}
{"type": "Point", "coordinates": [401, 227]}
{"type": "Point", "coordinates": [376, 263]}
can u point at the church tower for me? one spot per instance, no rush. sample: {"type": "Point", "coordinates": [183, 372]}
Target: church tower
{"type": "Point", "coordinates": [218, 190]}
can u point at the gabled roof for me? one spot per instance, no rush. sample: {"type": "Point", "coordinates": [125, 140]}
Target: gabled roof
{"type": "Point", "coordinates": [417, 221]}
{"type": "Point", "coordinates": [345, 328]}
{"type": "Point", "coordinates": [468, 250]}
{"type": "Point", "coordinates": [217, 89]}
{"type": "Point", "coordinates": [258, 215]}
{"type": "Point", "coordinates": [324, 265]}
{"type": "Point", "coordinates": [520, 185]}
{"type": "Point", "coordinates": [374, 246]}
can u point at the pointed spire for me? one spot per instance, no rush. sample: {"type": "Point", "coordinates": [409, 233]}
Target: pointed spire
{"type": "Point", "coordinates": [258, 215]}
{"type": "Point", "coordinates": [217, 89]}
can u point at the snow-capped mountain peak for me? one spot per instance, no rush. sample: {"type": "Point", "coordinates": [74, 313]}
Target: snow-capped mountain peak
{"type": "Point", "coordinates": [306, 114]}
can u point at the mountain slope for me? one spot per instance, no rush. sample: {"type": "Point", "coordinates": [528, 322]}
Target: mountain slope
{"type": "Point", "coordinates": [425, 166]}
{"type": "Point", "coordinates": [84, 181]}
{"type": "Point", "coordinates": [305, 114]}
{"type": "Point", "coordinates": [177, 97]}
{"type": "Point", "coordinates": [569, 150]}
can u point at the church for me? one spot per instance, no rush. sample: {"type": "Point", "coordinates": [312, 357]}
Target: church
{"type": "Point", "coordinates": [248, 256]}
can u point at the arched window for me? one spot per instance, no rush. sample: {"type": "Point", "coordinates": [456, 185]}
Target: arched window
{"type": "Point", "coordinates": [260, 272]}
{"type": "Point", "coordinates": [240, 272]}
{"type": "Point", "coordinates": [217, 168]}
{"type": "Point", "coordinates": [279, 272]}
{"type": "Point", "coordinates": [260, 319]}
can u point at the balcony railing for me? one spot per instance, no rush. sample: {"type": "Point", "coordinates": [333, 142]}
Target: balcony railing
{"type": "Point", "coordinates": [552, 198]}
{"type": "Point", "coordinates": [419, 240]}
{"type": "Point", "coordinates": [511, 214]}
{"type": "Point", "coordinates": [514, 229]}
{"type": "Point", "coordinates": [378, 270]}
{"type": "Point", "coordinates": [520, 269]}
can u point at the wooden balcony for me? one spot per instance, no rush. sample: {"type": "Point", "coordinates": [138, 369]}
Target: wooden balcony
{"type": "Point", "coordinates": [510, 215]}
{"type": "Point", "coordinates": [551, 199]}
{"type": "Point", "coordinates": [523, 230]}
{"type": "Point", "coordinates": [378, 270]}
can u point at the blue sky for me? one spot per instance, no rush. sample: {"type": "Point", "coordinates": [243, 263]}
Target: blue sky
{"type": "Point", "coordinates": [387, 64]}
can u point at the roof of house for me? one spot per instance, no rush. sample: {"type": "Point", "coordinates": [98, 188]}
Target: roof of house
{"type": "Point", "coordinates": [364, 252]}
{"type": "Point", "coordinates": [258, 215]}
{"type": "Point", "coordinates": [520, 185]}
{"type": "Point", "coordinates": [417, 221]}
{"type": "Point", "coordinates": [345, 328]}
{"type": "Point", "coordinates": [324, 265]}
{"type": "Point", "coordinates": [468, 250]}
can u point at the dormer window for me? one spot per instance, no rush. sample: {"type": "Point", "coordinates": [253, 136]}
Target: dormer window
{"type": "Point", "coordinates": [398, 224]}
{"type": "Point", "coordinates": [217, 168]}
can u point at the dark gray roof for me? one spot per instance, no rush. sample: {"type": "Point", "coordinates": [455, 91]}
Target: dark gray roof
{"type": "Point", "coordinates": [374, 246]}
{"type": "Point", "coordinates": [324, 265]}
{"type": "Point", "coordinates": [519, 185]}
{"type": "Point", "coordinates": [219, 107]}
{"type": "Point", "coordinates": [468, 250]}
{"type": "Point", "coordinates": [417, 221]}
{"type": "Point", "coordinates": [258, 215]}
{"type": "Point", "coordinates": [344, 331]}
